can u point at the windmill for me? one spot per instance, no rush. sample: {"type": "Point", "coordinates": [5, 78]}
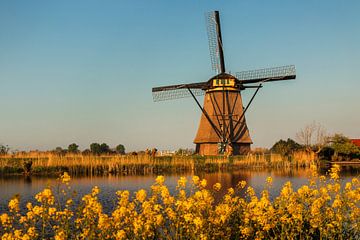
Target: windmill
{"type": "Point", "coordinates": [222, 125]}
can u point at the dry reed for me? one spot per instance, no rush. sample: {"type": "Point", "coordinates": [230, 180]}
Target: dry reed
{"type": "Point", "coordinates": [76, 164]}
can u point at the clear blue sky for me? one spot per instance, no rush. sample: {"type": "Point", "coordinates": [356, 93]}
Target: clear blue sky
{"type": "Point", "coordinates": [82, 71]}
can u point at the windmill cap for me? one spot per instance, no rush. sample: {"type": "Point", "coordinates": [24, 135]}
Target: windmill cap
{"type": "Point", "coordinates": [223, 76]}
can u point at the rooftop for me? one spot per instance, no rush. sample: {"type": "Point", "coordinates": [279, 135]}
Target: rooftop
{"type": "Point", "coordinates": [356, 142]}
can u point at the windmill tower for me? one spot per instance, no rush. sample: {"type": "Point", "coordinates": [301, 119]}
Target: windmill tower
{"type": "Point", "coordinates": [222, 125]}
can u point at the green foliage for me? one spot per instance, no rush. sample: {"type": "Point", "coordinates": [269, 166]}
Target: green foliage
{"type": "Point", "coordinates": [120, 149]}
{"type": "Point", "coordinates": [27, 164]}
{"type": "Point", "coordinates": [73, 148]}
{"type": "Point", "coordinates": [104, 148]}
{"type": "Point", "coordinates": [340, 148]}
{"type": "Point", "coordinates": [286, 148]}
{"type": "Point", "coordinates": [343, 146]}
{"type": "Point", "coordinates": [184, 152]}
{"type": "Point", "coordinates": [4, 149]}
{"type": "Point", "coordinates": [59, 150]}
{"type": "Point", "coordinates": [326, 153]}
{"type": "Point", "coordinates": [98, 149]}
{"type": "Point", "coordinates": [86, 152]}
{"type": "Point", "coordinates": [95, 148]}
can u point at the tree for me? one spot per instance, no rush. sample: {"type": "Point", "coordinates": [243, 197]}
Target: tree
{"type": "Point", "coordinates": [95, 148]}
{"type": "Point", "coordinates": [86, 152]}
{"type": "Point", "coordinates": [104, 148]}
{"type": "Point", "coordinates": [73, 148]}
{"type": "Point", "coordinates": [59, 150]}
{"type": "Point", "coordinates": [286, 148]}
{"type": "Point", "coordinates": [313, 136]}
{"type": "Point", "coordinates": [343, 146]}
{"type": "Point", "coordinates": [4, 149]}
{"type": "Point", "coordinates": [184, 152]}
{"type": "Point", "coordinates": [120, 149]}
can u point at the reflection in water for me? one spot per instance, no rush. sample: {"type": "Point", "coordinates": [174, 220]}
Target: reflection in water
{"type": "Point", "coordinates": [28, 186]}
{"type": "Point", "coordinates": [27, 179]}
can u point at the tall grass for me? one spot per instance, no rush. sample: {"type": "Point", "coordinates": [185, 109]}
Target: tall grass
{"type": "Point", "coordinates": [79, 164]}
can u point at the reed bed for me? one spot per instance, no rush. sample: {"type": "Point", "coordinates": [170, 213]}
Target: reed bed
{"type": "Point", "coordinates": [79, 164]}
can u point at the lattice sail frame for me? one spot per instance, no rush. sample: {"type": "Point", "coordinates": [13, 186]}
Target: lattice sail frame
{"type": "Point", "coordinates": [266, 73]}
{"type": "Point", "coordinates": [213, 41]}
{"type": "Point", "coordinates": [175, 94]}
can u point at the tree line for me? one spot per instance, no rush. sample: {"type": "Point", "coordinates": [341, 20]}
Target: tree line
{"type": "Point", "coordinates": [314, 138]}
{"type": "Point", "coordinates": [94, 148]}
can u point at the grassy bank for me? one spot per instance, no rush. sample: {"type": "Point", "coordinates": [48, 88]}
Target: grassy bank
{"type": "Point", "coordinates": [322, 209]}
{"type": "Point", "coordinates": [78, 164]}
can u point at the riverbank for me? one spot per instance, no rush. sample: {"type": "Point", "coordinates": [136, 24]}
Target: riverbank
{"type": "Point", "coordinates": [79, 164]}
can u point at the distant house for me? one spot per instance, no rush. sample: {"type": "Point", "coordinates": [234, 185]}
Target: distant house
{"type": "Point", "coordinates": [165, 153]}
{"type": "Point", "coordinates": [356, 142]}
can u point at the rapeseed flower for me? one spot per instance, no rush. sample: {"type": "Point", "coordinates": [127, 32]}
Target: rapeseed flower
{"type": "Point", "coordinates": [321, 209]}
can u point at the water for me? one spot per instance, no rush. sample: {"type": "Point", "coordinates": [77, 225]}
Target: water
{"type": "Point", "coordinates": [30, 186]}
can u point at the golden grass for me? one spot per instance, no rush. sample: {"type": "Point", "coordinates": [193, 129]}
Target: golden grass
{"type": "Point", "coordinates": [144, 164]}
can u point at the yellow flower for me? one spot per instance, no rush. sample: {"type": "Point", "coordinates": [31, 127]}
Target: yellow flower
{"type": "Point", "coordinates": [269, 180]}
{"type": "Point", "coordinates": [120, 235]}
{"type": "Point", "coordinates": [242, 184]}
{"type": "Point", "coordinates": [141, 195]}
{"type": "Point", "coordinates": [334, 172]}
{"type": "Point", "coordinates": [182, 194]}
{"type": "Point", "coordinates": [195, 180]}
{"type": "Point", "coordinates": [65, 178]}
{"type": "Point", "coordinates": [231, 191]}
{"type": "Point", "coordinates": [182, 182]}
{"type": "Point", "coordinates": [203, 183]}
{"type": "Point", "coordinates": [95, 191]}
{"type": "Point", "coordinates": [159, 219]}
{"type": "Point", "coordinates": [46, 196]}
{"type": "Point", "coordinates": [188, 217]}
{"type": "Point", "coordinates": [31, 232]}
{"type": "Point", "coordinates": [25, 237]}
{"type": "Point", "coordinates": [60, 235]}
{"type": "Point", "coordinates": [29, 206]}
{"type": "Point", "coordinates": [198, 222]}
{"type": "Point", "coordinates": [5, 219]}
{"type": "Point", "coordinates": [322, 178]}
{"type": "Point", "coordinates": [69, 201]}
{"type": "Point", "coordinates": [324, 209]}
{"type": "Point", "coordinates": [52, 211]}
{"type": "Point", "coordinates": [217, 186]}
{"type": "Point", "coordinates": [355, 181]}
{"type": "Point", "coordinates": [246, 231]}
{"type": "Point", "coordinates": [17, 234]}
{"type": "Point", "coordinates": [337, 202]}
{"type": "Point", "coordinates": [23, 219]}
{"type": "Point", "coordinates": [171, 214]}
{"type": "Point", "coordinates": [37, 210]}
{"type": "Point", "coordinates": [287, 189]}
{"type": "Point", "coordinates": [314, 171]}
{"type": "Point", "coordinates": [160, 180]}
{"type": "Point", "coordinates": [14, 205]}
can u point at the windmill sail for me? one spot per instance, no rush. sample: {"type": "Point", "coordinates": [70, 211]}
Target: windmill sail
{"type": "Point", "coordinates": [267, 74]}
{"type": "Point", "coordinates": [178, 91]}
{"type": "Point", "coordinates": [215, 41]}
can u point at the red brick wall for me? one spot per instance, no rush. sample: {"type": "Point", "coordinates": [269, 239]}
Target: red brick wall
{"type": "Point", "coordinates": [356, 142]}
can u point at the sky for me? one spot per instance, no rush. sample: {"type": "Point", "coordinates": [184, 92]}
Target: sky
{"type": "Point", "coordinates": [82, 71]}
